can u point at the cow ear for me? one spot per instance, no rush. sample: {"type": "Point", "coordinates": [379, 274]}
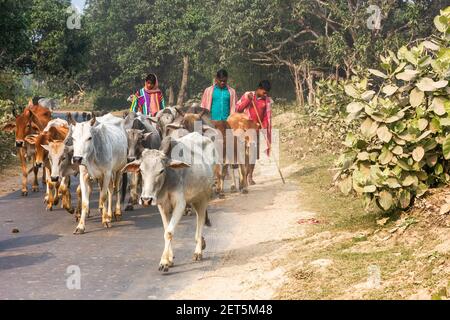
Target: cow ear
{"type": "Point", "coordinates": [132, 167]}
{"type": "Point", "coordinates": [173, 126]}
{"type": "Point", "coordinates": [31, 139]}
{"type": "Point", "coordinates": [10, 127]}
{"type": "Point", "coordinates": [45, 146]}
{"type": "Point", "coordinates": [148, 134]}
{"type": "Point", "coordinates": [176, 164]}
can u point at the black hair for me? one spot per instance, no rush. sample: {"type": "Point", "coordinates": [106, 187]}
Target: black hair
{"type": "Point", "coordinates": [151, 77]}
{"type": "Point", "coordinates": [222, 73]}
{"type": "Point", "coordinates": [264, 84]}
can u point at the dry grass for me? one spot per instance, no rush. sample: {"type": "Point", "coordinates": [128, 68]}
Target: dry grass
{"type": "Point", "coordinates": [410, 250]}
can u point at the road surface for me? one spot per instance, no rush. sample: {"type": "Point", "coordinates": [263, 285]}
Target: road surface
{"type": "Point", "coordinates": [121, 262]}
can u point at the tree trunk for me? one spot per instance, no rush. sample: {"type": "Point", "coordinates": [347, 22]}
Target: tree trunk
{"type": "Point", "coordinates": [171, 96]}
{"type": "Point", "coordinates": [296, 77]}
{"type": "Point", "coordinates": [310, 84]}
{"type": "Point", "coordinates": [184, 81]}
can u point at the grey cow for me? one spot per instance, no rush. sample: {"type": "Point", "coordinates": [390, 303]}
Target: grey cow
{"type": "Point", "coordinates": [141, 135]}
{"type": "Point", "coordinates": [171, 181]}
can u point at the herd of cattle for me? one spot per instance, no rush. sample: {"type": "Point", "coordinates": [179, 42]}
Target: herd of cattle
{"type": "Point", "coordinates": [177, 159]}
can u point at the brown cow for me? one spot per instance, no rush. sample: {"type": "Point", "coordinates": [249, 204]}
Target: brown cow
{"type": "Point", "coordinates": [56, 130]}
{"type": "Point", "coordinates": [245, 132]}
{"type": "Point", "coordinates": [221, 169]}
{"type": "Point", "coordinates": [33, 120]}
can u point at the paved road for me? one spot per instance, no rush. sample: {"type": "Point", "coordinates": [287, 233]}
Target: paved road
{"type": "Point", "coordinates": [120, 262]}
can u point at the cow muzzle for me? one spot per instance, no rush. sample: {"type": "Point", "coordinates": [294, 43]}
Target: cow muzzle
{"type": "Point", "coordinates": [38, 164]}
{"type": "Point", "coordinates": [19, 144]}
{"type": "Point", "coordinates": [146, 201]}
{"type": "Point", "coordinates": [77, 160]}
{"type": "Point", "coordinates": [131, 159]}
{"type": "Point", "coordinates": [54, 179]}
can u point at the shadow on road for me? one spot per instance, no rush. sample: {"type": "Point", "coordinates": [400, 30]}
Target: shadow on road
{"type": "Point", "coordinates": [27, 241]}
{"type": "Point", "coordinates": [23, 260]}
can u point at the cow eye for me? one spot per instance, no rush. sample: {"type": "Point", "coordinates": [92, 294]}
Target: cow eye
{"type": "Point", "coordinates": [162, 171]}
{"type": "Point", "coordinates": [90, 138]}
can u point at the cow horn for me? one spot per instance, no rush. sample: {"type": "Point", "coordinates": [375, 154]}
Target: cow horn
{"type": "Point", "coordinates": [93, 120]}
{"type": "Point", "coordinates": [202, 113]}
{"type": "Point", "coordinates": [166, 146]}
{"type": "Point", "coordinates": [181, 112]}
{"type": "Point", "coordinates": [70, 120]}
{"type": "Point", "coordinates": [69, 134]}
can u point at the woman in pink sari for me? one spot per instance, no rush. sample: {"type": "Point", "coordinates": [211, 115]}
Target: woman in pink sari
{"type": "Point", "coordinates": [149, 99]}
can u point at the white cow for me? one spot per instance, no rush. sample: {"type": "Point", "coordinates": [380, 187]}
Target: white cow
{"type": "Point", "coordinates": [180, 173]}
{"type": "Point", "coordinates": [100, 149]}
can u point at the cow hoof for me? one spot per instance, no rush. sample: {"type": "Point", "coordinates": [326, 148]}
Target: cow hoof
{"type": "Point", "coordinates": [118, 217]}
{"type": "Point", "coordinates": [244, 191]}
{"type": "Point", "coordinates": [35, 189]}
{"type": "Point", "coordinates": [163, 267]}
{"type": "Point", "coordinates": [233, 189]}
{"type": "Point", "coordinates": [207, 222]}
{"type": "Point", "coordinates": [203, 243]}
{"type": "Point", "coordinates": [49, 208]}
{"type": "Point", "coordinates": [129, 207]}
{"type": "Point", "coordinates": [221, 195]}
{"type": "Point", "coordinates": [197, 257]}
{"type": "Point", "coordinates": [24, 193]}
{"type": "Point", "coordinates": [78, 230]}
{"type": "Point", "coordinates": [70, 210]}
{"type": "Point", "coordinates": [107, 224]}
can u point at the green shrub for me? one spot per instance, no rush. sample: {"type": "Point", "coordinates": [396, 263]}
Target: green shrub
{"type": "Point", "coordinates": [403, 142]}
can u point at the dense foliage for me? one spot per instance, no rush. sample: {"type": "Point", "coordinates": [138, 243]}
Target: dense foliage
{"type": "Point", "coordinates": [402, 146]}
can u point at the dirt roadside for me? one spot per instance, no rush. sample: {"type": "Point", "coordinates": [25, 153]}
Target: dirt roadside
{"type": "Point", "coordinates": [262, 224]}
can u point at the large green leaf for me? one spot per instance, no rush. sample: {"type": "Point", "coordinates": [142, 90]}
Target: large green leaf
{"type": "Point", "coordinates": [446, 147]}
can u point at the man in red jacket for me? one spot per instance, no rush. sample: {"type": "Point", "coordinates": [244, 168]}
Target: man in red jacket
{"type": "Point", "coordinates": [257, 104]}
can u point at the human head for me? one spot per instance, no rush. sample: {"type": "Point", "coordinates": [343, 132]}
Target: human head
{"type": "Point", "coordinates": [222, 78]}
{"type": "Point", "coordinates": [150, 81]}
{"type": "Point", "coordinates": [263, 88]}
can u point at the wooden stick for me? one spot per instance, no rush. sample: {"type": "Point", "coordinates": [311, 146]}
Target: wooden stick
{"type": "Point", "coordinates": [267, 142]}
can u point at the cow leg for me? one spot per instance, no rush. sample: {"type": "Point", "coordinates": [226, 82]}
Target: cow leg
{"type": "Point", "coordinates": [165, 212]}
{"type": "Point", "coordinates": [200, 208]}
{"type": "Point", "coordinates": [101, 204]}
{"type": "Point", "coordinates": [35, 186]}
{"type": "Point", "coordinates": [78, 209]}
{"type": "Point", "coordinates": [233, 175]}
{"type": "Point", "coordinates": [220, 177]}
{"type": "Point", "coordinates": [47, 185]}
{"type": "Point", "coordinates": [56, 198]}
{"type": "Point", "coordinates": [64, 193]}
{"type": "Point", "coordinates": [106, 191]}
{"type": "Point", "coordinates": [44, 177]}
{"type": "Point", "coordinates": [84, 183]}
{"type": "Point", "coordinates": [118, 209]}
{"type": "Point", "coordinates": [168, 235]}
{"type": "Point", "coordinates": [133, 200]}
{"type": "Point", "coordinates": [251, 168]}
{"type": "Point", "coordinates": [243, 178]}
{"type": "Point", "coordinates": [23, 164]}
{"type": "Point", "coordinates": [50, 191]}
